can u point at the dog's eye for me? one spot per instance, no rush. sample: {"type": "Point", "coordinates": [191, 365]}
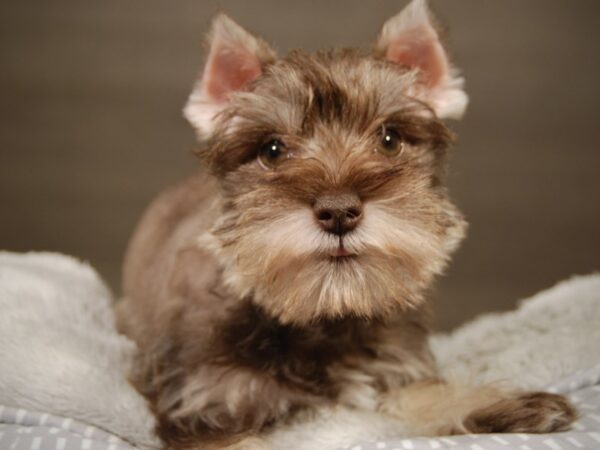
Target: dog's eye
{"type": "Point", "coordinates": [272, 153]}
{"type": "Point", "coordinates": [391, 143]}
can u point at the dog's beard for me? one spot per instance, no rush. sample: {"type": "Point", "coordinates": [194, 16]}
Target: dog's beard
{"type": "Point", "coordinates": [284, 262]}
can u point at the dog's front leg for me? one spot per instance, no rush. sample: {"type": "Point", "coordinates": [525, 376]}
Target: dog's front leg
{"type": "Point", "coordinates": [217, 407]}
{"type": "Point", "coordinates": [434, 408]}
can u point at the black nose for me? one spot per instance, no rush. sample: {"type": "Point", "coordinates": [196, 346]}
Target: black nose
{"type": "Point", "coordinates": [338, 213]}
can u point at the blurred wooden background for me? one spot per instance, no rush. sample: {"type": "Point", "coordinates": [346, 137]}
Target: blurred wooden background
{"type": "Point", "coordinates": [91, 129]}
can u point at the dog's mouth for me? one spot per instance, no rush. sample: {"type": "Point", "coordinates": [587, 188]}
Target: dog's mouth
{"type": "Point", "coordinates": [341, 251]}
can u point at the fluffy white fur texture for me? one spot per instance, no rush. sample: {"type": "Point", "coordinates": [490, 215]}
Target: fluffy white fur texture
{"type": "Point", "coordinates": [60, 353]}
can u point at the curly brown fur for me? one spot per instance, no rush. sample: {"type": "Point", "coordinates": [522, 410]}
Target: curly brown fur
{"type": "Point", "coordinates": [248, 305]}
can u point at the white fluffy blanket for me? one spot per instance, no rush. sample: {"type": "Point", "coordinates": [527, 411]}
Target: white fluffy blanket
{"type": "Point", "coordinates": [59, 350]}
{"type": "Point", "coordinates": [60, 353]}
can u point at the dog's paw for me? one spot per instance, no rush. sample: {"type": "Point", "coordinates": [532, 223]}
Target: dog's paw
{"type": "Point", "coordinates": [532, 412]}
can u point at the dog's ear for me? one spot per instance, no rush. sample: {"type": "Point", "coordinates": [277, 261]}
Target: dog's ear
{"type": "Point", "coordinates": [235, 59]}
{"type": "Point", "coordinates": [410, 39]}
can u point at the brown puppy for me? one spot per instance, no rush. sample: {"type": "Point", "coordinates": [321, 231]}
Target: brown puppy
{"type": "Point", "coordinates": [291, 270]}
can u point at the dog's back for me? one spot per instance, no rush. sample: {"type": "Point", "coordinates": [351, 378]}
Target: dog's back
{"type": "Point", "coordinates": [162, 255]}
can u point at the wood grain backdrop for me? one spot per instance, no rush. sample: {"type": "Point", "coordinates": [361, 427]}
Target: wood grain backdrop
{"type": "Point", "coordinates": [91, 129]}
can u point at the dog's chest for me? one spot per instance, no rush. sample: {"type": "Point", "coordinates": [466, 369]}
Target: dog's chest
{"type": "Point", "coordinates": [306, 358]}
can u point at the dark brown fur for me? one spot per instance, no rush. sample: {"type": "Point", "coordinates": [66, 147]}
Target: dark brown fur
{"type": "Point", "coordinates": [299, 357]}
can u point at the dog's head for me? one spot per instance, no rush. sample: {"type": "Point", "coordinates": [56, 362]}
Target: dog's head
{"type": "Point", "coordinates": [331, 167]}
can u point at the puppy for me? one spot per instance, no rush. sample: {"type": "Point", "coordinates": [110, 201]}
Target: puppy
{"type": "Point", "coordinates": [291, 270]}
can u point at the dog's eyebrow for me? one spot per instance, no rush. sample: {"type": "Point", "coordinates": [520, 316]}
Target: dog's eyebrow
{"type": "Point", "coordinates": [228, 150]}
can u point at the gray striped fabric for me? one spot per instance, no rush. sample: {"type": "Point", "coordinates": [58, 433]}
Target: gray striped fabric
{"type": "Point", "coordinates": [28, 430]}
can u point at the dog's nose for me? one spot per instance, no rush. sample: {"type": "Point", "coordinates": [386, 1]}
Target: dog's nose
{"type": "Point", "coordinates": [339, 213]}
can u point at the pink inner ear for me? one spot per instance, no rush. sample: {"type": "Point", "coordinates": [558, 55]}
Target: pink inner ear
{"type": "Point", "coordinates": [229, 70]}
{"type": "Point", "coordinates": [414, 50]}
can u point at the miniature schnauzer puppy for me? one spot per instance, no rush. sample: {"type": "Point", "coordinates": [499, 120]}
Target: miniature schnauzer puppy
{"type": "Point", "coordinates": [291, 270]}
